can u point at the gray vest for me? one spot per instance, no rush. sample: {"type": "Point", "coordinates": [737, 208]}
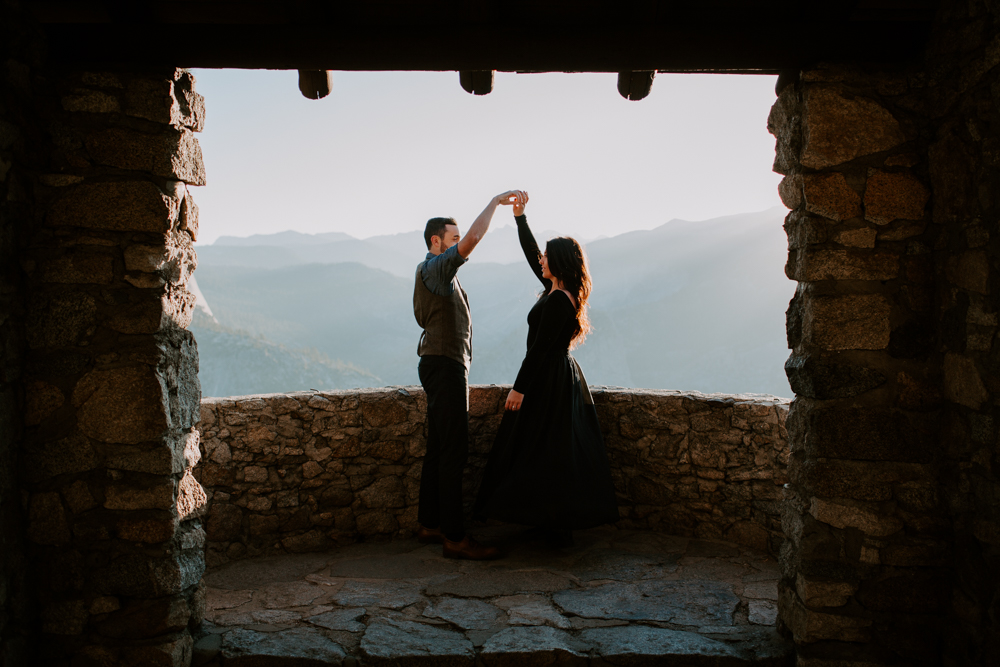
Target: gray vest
{"type": "Point", "coordinates": [446, 321]}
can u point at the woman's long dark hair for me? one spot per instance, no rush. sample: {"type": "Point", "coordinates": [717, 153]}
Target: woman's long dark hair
{"type": "Point", "coordinates": [568, 263]}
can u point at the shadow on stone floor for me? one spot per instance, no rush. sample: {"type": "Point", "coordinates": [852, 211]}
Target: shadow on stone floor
{"type": "Point", "coordinates": [614, 597]}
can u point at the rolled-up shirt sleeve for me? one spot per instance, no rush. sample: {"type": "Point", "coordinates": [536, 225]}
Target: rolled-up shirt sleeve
{"type": "Point", "coordinates": [439, 271]}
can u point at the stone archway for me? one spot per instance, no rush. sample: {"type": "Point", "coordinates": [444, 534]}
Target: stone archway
{"type": "Point", "coordinates": [891, 517]}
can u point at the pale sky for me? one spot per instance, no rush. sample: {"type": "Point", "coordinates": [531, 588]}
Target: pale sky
{"type": "Point", "coordinates": [385, 151]}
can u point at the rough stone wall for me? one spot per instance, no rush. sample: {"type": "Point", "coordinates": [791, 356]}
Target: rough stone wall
{"type": "Point", "coordinates": [18, 54]}
{"type": "Point", "coordinates": [303, 471]}
{"type": "Point", "coordinates": [963, 158]}
{"type": "Point", "coordinates": [110, 383]}
{"type": "Point", "coordinates": [891, 178]}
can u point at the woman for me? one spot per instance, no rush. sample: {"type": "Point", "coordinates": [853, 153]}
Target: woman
{"type": "Point", "coordinates": [548, 466]}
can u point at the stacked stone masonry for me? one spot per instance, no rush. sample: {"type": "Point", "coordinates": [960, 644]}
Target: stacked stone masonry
{"type": "Point", "coordinates": [305, 471]}
{"type": "Point", "coordinates": [893, 513]}
{"type": "Point", "coordinates": [108, 391]}
{"type": "Point", "coordinates": [15, 214]}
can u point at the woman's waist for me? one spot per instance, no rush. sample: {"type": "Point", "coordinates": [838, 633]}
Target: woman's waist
{"type": "Point", "coordinates": [556, 354]}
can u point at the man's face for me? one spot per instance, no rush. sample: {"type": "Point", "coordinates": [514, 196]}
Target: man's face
{"type": "Point", "coordinates": [449, 237]}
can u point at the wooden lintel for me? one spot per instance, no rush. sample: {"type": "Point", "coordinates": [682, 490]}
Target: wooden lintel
{"type": "Point", "coordinates": [607, 49]}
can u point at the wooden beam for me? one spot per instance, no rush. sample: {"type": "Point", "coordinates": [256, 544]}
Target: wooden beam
{"type": "Point", "coordinates": [315, 84]}
{"type": "Point", "coordinates": [714, 47]}
{"type": "Point", "coordinates": [635, 85]}
{"type": "Point", "coordinates": [423, 13]}
{"type": "Point", "coordinates": [476, 83]}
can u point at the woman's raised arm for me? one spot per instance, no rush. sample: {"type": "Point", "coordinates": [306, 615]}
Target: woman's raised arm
{"type": "Point", "coordinates": [528, 244]}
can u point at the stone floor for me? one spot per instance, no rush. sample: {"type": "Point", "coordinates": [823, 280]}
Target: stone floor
{"type": "Point", "coordinates": [615, 597]}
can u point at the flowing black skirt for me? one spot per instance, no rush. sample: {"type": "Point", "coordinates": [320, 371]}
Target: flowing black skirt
{"type": "Point", "coordinates": [548, 466]}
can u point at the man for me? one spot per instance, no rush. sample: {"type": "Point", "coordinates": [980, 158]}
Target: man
{"type": "Point", "coordinates": [442, 311]}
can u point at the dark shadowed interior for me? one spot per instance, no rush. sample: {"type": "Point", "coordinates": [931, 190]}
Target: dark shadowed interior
{"type": "Point", "coordinates": [887, 132]}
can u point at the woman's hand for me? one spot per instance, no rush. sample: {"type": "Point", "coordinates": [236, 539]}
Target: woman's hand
{"type": "Point", "coordinates": [514, 399]}
{"type": "Point", "coordinates": [520, 202]}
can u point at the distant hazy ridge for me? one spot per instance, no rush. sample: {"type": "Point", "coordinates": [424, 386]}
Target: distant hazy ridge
{"type": "Point", "coordinates": [687, 305]}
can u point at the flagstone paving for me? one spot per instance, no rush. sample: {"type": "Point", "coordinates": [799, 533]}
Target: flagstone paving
{"type": "Point", "coordinates": [615, 597]}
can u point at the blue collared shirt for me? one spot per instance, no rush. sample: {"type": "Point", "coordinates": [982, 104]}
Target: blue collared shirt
{"type": "Point", "coordinates": [438, 272]}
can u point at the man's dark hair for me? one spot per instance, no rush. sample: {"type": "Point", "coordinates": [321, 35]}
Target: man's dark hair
{"type": "Point", "coordinates": [435, 227]}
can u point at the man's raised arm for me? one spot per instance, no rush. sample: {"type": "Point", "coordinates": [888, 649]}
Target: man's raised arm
{"type": "Point", "coordinates": [482, 223]}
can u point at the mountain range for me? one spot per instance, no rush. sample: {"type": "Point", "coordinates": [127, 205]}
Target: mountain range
{"type": "Point", "coordinates": [392, 253]}
{"type": "Point", "coordinates": [686, 305]}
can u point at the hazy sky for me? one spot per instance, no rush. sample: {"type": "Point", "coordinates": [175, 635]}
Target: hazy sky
{"type": "Point", "coordinates": [385, 151]}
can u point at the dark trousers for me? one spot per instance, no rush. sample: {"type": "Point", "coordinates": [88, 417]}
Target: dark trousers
{"type": "Point", "coordinates": [446, 382]}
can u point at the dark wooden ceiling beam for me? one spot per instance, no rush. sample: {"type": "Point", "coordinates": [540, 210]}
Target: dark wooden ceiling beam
{"type": "Point", "coordinates": [274, 12]}
{"type": "Point", "coordinates": [690, 47]}
{"type": "Point", "coordinates": [278, 11]}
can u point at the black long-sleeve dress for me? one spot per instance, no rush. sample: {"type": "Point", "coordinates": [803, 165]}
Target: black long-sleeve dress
{"type": "Point", "coordinates": [548, 466]}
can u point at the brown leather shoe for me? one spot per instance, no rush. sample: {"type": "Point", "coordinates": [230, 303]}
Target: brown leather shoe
{"type": "Point", "coordinates": [429, 535]}
{"type": "Point", "coordinates": [469, 549]}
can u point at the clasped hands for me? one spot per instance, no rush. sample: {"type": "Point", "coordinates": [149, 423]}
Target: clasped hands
{"type": "Point", "coordinates": [516, 198]}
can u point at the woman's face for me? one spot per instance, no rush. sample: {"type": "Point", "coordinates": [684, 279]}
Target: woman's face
{"type": "Point", "coordinates": [545, 267]}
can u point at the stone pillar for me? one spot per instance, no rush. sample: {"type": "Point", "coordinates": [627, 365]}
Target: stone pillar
{"type": "Point", "coordinates": [963, 158]}
{"type": "Point", "coordinates": [863, 575]}
{"type": "Point", "coordinates": [111, 387]}
{"type": "Point", "coordinates": [891, 516]}
{"type": "Point", "coordinates": [17, 44]}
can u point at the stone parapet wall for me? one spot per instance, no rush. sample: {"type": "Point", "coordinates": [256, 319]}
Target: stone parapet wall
{"type": "Point", "coordinates": [304, 471]}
